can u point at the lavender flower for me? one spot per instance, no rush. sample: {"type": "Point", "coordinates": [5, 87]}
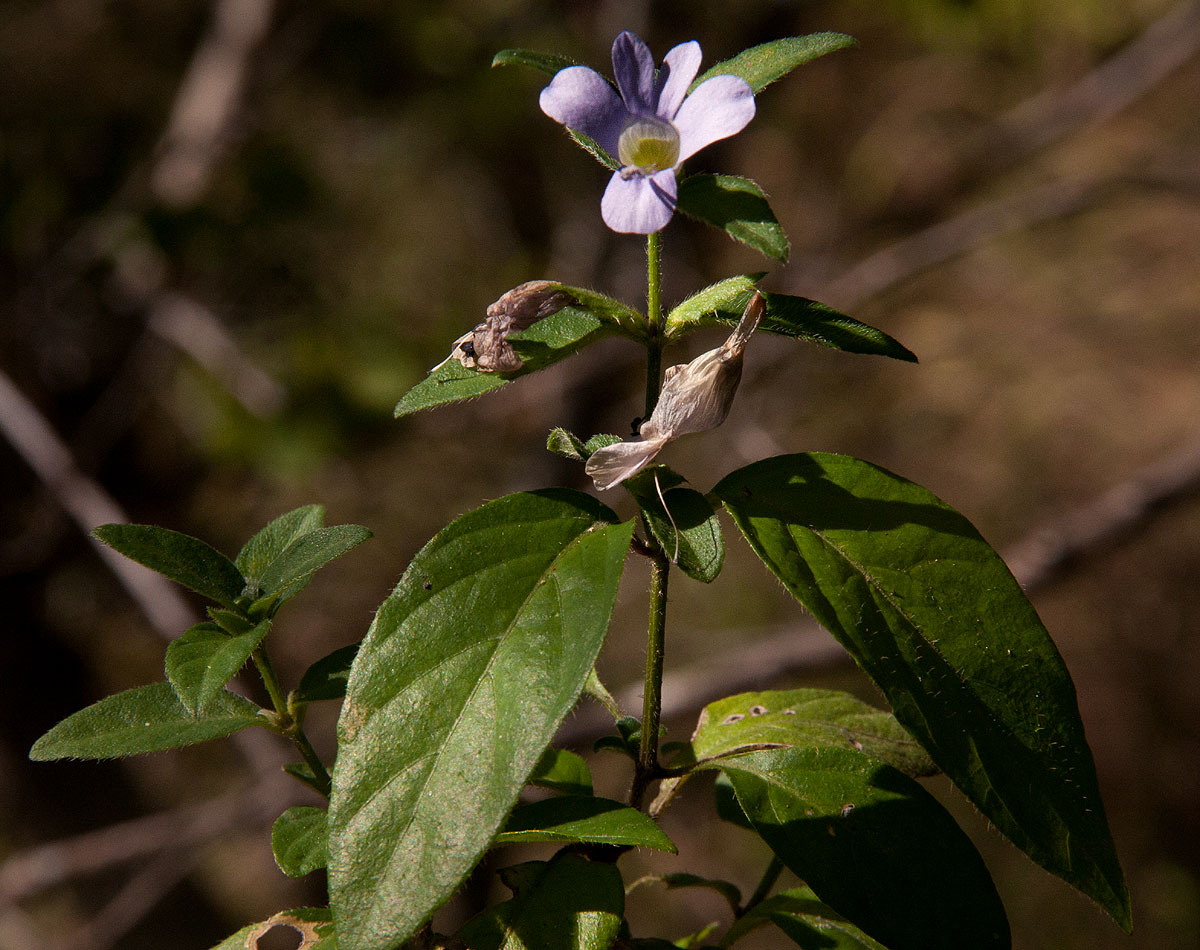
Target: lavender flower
{"type": "Point", "coordinates": [651, 127]}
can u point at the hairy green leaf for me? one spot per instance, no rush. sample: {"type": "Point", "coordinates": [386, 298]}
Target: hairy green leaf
{"type": "Point", "coordinates": [314, 924]}
{"type": "Point", "coordinates": [583, 818]}
{"type": "Point", "coordinates": [809, 923]}
{"type": "Point", "coordinates": [307, 554]}
{"type": "Point", "coordinates": [182, 558]}
{"type": "Point", "coordinates": [934, 617]}
{"type": "Point", "coordinates": [273, 540]}
{"type": "Point", "coordinates": [567, 444]}
{"type": "Point", "coordinates": [739, 207]}
{"type": "Point", "coordinates": [563, 772]}
{"type": "Point", "coordinates": [761, 65]}
{"type": "Point", "coordinates": [300, 840]}
{"type": "Point", "coordinates": [142, 719]}
{"type": "Point", "coordinates": [807, 717]}
{"type": "Point", "coordinates": [548, 63]}
{"type": "Point", "coordinates": [326, 679]}
{"type": "Point", "coordinates": [686, 528]}
{"type": "Point", "coordinates": [569, 903]}
{"type": "Point", "coordinates": [205, 658]}
{"type": "Point", "coordinates": [466, 672]}
{"type": "Point", "coordinates": [722, 304]}
{"type": "Point", "coordinates": [873, 845]}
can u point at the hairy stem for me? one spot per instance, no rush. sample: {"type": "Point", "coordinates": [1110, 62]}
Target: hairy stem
{"type": "Point", "coordinates": [654, 321]}
{"type": "Point", "coordinates": [289, 725]}
{"type": "Point", "coordinates": [647, 767]}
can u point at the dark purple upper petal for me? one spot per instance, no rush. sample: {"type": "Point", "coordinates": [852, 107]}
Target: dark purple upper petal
{"type": "Point", "coordinates": [638, 204]}
{"type": "Point", "coordinates": [633, 65]}
{"type": "Point", "coordinates": [679, 69]}
{"type": "Point", "coordinates": [581, 99]}
{"type": "Point", "coordinates": [718, 108]}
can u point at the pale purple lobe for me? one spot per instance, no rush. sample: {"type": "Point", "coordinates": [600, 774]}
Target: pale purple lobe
{"type": "Point", "coordinates": [717, 109]}
{"type": "Point", "coordinates": [679, 69]}
{"type": "Point", "coordinates": [633, 66]}
{"type": "Point", "coordinates": [583, 100]}
{"type": "Point", "coordinates": [639, 204]}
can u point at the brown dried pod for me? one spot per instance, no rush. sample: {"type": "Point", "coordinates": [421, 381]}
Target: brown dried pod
{"type": "Point", "coordinates": [487, 348]}
{"type": "Point", "coordinates": [695, 397]}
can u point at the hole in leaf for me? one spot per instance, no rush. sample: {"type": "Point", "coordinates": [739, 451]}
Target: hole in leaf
{"type": "Point", "coordinates": [759, 710]}
{"type": "Point", "coordinates": [281, 937]}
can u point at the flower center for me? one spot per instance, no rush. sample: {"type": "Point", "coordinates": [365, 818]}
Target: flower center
{"type": "Point", "coordinates": [648, 145]}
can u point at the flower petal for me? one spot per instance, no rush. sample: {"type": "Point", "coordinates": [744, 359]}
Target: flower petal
{"type": "Point", "coordinates": [639, 205]}
{"type": "Point", "coordinates": [581, 99]}
{"type": "Point", "coordinates": [679, 69]}
{"type": "Point", "coordinates": [717, 109]}
{"type": "Point", "coordinates": [633, 65]}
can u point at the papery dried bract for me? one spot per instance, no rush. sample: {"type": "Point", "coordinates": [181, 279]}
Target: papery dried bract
{"type": "Point", "coordinates": [695, 397]}
{"type": "Point", "coordinates": [487, 348]}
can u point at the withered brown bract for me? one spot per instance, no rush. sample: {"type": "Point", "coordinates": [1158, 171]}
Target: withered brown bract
{"type": "Point", "coordinates": [695, 397]}
{"type": "Point", "coordinates": [487, 348]}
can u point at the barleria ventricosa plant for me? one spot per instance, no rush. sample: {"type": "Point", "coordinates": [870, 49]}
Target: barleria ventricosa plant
{"type": "Point", "coordinates": [489, 639]}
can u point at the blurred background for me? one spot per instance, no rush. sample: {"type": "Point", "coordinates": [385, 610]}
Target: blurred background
{"type": "Point", "coordinates": [233, 233]}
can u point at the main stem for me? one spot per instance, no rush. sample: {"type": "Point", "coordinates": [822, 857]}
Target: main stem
{"type": "Point", "coordinates": [656, 641]}
{"type": "Point", "coordinates": [647, 762]}
{"type": "Point", "coordinates": [653, 323]}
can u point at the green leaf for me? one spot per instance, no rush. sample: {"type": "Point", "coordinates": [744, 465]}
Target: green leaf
{"type": "Point", "coordinates": [450, 382]}
{"type": "Point", "coordinates": [729, 891]}
{"type": "Point", "coordinates": [205, 658]}
{"type": "Point", "coordinates": [762, 65]}
{"type": "Point", "coordinates": [306, 555]}
{"type": "Point", "coordinates": [807, 717]}
{"type": "Point", "coordinates": [934, 617]}
{"type": "Point", "coordinates": [568, 904]}
{"type": "Point", "coordinates": [314, 924]}
{"type": "Point", "coordinates": [546, 342]}
{"type": "Point", "coordinates": [300, 840]}
{"type": "Point", "coordinates": [687, 528]}
{"type": "Point", "coordinates": [574, 818]}
{"type": "Point", "coordinates": [548, 63]}
{"type": "Point", "coordinates": [739, 207]}
{"type": "Point", "coordinates": [563, 772]}
{"type": "Point", "coordinates": [873, 844]}
{"type": "Point", "coordinates": [274, 539]}
{"type": "Point", "coordinates": [566, 444]}
{"type": "Point", "coordinates": [722, 304]}
{"type": "Point", "coordinates": [326, 679]}
{"type": "Point", "coordinates": [182, 558]}
{"type": "Point", "coordinates": [809, 923]}
{"type": "Point", "coordinates": [467, 671]}
{"type": "Point", "coordinates": [142, 719]}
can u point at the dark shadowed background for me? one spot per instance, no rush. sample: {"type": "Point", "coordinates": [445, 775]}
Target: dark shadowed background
{"type": "Point", "coordinates": [233, 233]}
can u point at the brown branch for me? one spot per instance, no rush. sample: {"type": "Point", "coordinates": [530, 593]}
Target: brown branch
{"type": "Point", "coordinates": [1051, 549]}
{"type": "Point", "coordinates": [208, 101]}
{"type": "Point", "coordinates": [137, 897]}
{"type": "Point", "coordinates": [1111, 87]}
{"type": "Point", "coordinates": [89, 505]}
{"type": "Point", "coordinates": [29, 872]}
